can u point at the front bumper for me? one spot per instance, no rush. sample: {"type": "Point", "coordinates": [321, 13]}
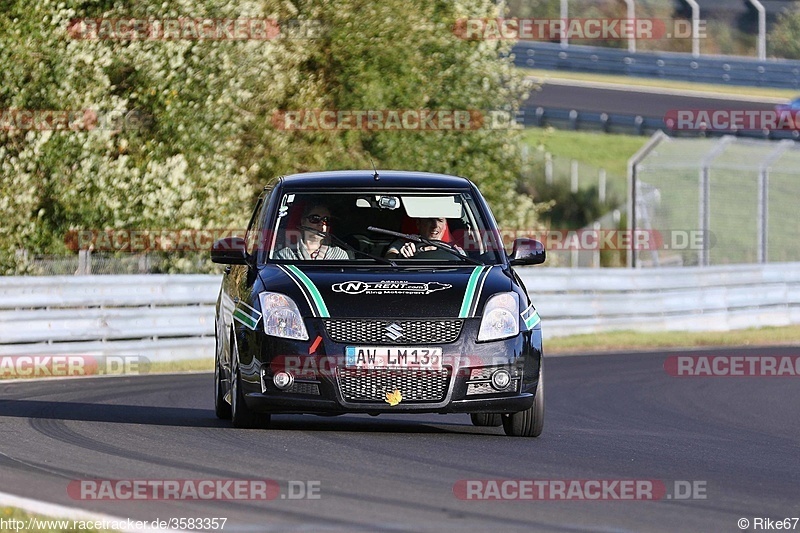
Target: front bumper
{"type": "Point", "coordinates": [323, 384]}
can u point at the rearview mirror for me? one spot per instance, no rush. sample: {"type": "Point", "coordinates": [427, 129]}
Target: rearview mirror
{"type": "Point", "coordinates": [229, 251]}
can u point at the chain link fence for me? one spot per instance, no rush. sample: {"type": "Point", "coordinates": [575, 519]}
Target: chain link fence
{"type": "Point", "coordinates": [588, 201]}
{"type": "Point", "coordinates": [715, 201]}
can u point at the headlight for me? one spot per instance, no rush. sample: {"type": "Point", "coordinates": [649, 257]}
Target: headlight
{"type": "Point", "coordinates": [500, 317]}
{"type": "Point", "coordinates": [281, 317]}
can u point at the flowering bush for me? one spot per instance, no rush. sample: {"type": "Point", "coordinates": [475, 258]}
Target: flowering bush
{"type": "Point", "coordinates": [196, 143]}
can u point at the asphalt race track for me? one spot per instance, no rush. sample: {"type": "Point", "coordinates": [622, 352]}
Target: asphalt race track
{"type": "Point", "coordinates": [609, 417]}
{"type": "Point", "coordinates": [630, 101]}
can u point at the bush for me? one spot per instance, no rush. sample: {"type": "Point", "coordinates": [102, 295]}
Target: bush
{"type": "Point", "coordinates": [783, 40]}
{"type": "Point", "coordinates": [206, 144]}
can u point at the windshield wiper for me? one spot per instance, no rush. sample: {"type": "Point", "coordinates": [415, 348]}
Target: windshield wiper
{"type": "Point", "coordinates": [419, 239]}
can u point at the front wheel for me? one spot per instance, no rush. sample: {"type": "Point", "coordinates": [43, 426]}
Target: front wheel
{"type": "Point", "coordinates": [528, 423]}
{"type": "Point", "coordinates": [221, 407]}
{"type": "Point", "coordinates": [241, 415]}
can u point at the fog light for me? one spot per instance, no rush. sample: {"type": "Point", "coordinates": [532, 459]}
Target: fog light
{"type": "Point", "coordinates": [501, 379]}
{"type": "Point", "coordinates": [283, 380]}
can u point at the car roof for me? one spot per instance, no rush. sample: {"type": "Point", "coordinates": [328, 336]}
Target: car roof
{"type": "Point", "coordinates": [358, 179]}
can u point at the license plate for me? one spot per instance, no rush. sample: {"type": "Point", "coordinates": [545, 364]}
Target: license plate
{"type": "Point", "coordinates": [370, 357]}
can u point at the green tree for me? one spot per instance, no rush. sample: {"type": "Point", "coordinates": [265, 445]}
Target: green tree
{"type": "Point", "coordinates": [402, 55]}
{"type": "Point", "coordinates": [205, 142]}
{"type": "Point", "coordinates": [783, 40]}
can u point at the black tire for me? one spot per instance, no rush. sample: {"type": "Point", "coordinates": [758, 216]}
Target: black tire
{"type": "Point", "coordinates": [241, 415]}
{"type": "Point", "coordinates": [221, 407]}
{"type": "Point", "coordinates": [486, 419]}
{"type": "Point", "coordinates": [528, 423]}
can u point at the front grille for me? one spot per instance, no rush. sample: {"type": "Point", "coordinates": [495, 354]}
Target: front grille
{"type": "Point", "coordinates": [480, 380]}
{"type": "Point", "coordinates": [411, 331]}
{"type": "Point", "coordinates": [360, 385]}
{"type": "Point", "coordinates": [484, 372]}
{"type": "Point", "coordinates": [304, 388]}
{"type": "Point", "coordinates": [486, 388]}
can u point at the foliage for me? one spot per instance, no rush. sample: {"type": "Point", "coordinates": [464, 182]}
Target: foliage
{"type": "Point", "coordinates": [570, 210]}
{"type": "Point", "coordinates": [204, 142]}
{"type": "Point", "coordinates": [783, 40]}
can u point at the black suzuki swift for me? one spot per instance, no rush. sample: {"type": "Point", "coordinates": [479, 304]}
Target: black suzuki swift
{"type": "Point", "coordinates": [377, 292]}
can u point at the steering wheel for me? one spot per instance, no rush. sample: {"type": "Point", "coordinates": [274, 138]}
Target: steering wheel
{"type": "Point", "coordinates": [436, 253]}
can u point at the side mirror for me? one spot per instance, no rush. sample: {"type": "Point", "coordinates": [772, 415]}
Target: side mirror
{"type": "Point", "coordinates": [229, 251]}
{"type": "Point", "coordinates": [527, 252]}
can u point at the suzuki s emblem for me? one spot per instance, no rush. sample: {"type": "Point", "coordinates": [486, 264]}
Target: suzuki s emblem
{"type": "Point", "coordinates": [394, 331]}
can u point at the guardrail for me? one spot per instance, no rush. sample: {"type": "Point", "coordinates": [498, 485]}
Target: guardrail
{"type": "Point", "coordinates": [590, 300]}
{"type": "Point", "coordinates": [783, 74]}
{"type": "Point", "coordinates": [160, 317]}
{"type": "Point", "coordinates": [166, 318]}
{"type": "Point", "coordinates": [575, 119]}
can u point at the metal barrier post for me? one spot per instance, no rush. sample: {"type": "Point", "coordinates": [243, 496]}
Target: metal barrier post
{"type": "Point", "coordinates": [633, 163]}
{"type": "Point", "coordinates": [84, 263]}
{"type": "Point", "coordinates": [705, 193]}
{"type": "Point", "coordinates": [762, 219]}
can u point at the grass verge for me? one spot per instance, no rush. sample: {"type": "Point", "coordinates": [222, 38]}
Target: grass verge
{"type": "Point", "coordinates": [186, 365]}
{"type": "Point", "coordinates": [159, 367]}
{"type": "Point", "coordinates": [755, 92]}
{"type": "Point", "coordinates": [610, 151]}
{"type": "Point", "coordinates": [633, 340]}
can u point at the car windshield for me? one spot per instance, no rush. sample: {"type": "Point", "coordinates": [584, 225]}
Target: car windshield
{"type": "Point", "coordinates": [369, 228]}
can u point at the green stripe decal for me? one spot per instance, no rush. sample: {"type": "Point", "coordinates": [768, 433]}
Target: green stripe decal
{"type": "Point", "coordinates": [248, 319]}
{"type": "Point", "coordinates": [322, 309]}
{"type": "Point", "coordinates": [532, 320]}
{"type": "Point", "coordinates": [469, 294]}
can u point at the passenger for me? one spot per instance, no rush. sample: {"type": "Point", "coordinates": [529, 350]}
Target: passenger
{"type": "Point", "coordinates": [429, 228]}
{"type": "Point", "coordinates": [314, 243]}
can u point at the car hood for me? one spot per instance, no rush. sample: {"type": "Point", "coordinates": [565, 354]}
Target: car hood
{"type": "Point", "coordinates": [379, 292]}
